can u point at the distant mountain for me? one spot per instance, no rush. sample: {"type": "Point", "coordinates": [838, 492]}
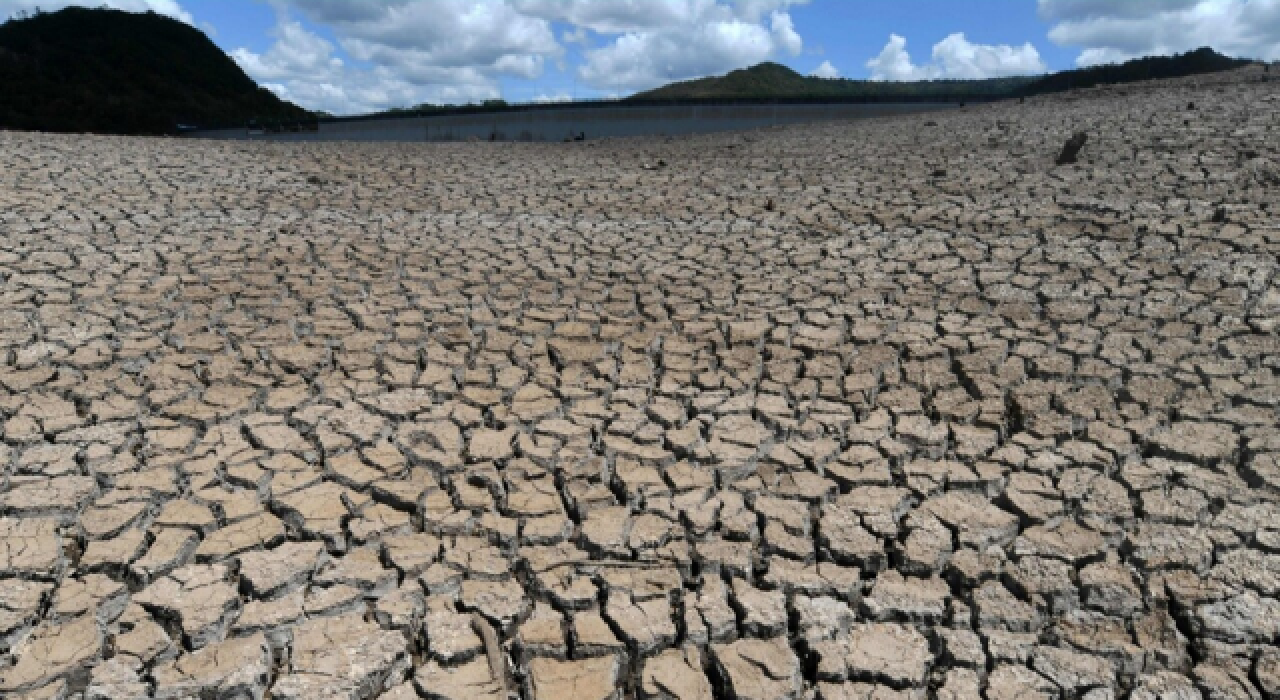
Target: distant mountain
{"type": "Point", "coordinates": [108, 71]}
{"type": "Point", "coordinates": [771, 80]}
{"type": "Point", "coordinates": [1202, 60]}
{"type": "Point", "coordinates": [774, 80]}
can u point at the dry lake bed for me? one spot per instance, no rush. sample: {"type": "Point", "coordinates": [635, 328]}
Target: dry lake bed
{"type": "Point", "coordinates": [891, 408]}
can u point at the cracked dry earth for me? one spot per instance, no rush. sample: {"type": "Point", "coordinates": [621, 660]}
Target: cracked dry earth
{"type": "Point", "coordinates": [881, 409]}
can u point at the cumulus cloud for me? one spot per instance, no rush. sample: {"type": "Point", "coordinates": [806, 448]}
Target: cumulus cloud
{"type": "Point", "coordinates": [1117, 31]}
{"type": "Point", "coordinates": [681, 40]}
{"type": "Point", "coordinates": [613, 16]}
{"type": "Point", "coordinates": [645, 43]}
{"type": "Point", "coordinates": [825, 70]}
{"type": "Point", "coordinates": [488, 34]}
{"type": "Point", "coordinates": [464, 47]}
{"type": "Point", "coordinates": [296, 51]}
{"type": "Point", "coordinates": [169, 8]}
{"type": "Point", "coordinates": [401, 52]}
{"type": "Point", "coordinates": [784, 33]}
{"type": "Point", "coordinates": [640, 60]}
{"type": "Point", "coordinates": [955, 58]}
{"type": "Point", "coordinates": [302, 67]}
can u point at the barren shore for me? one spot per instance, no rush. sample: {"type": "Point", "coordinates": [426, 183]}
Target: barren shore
{"type": "Point", "coordinates": [891, 408]}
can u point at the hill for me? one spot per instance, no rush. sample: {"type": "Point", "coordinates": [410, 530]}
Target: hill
{"type": "Point", "coordinates": [774, 80]}
{"type": "Point", "coordinates": [109, 71]}
{"type": "Point", "coordinates": [1201, 60]}
{"type": "Point", "coordinates": [771, 80]}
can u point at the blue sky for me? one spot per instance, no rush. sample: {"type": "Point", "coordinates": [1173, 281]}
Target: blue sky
{"type": "Point", "coordinates": [350, 56]}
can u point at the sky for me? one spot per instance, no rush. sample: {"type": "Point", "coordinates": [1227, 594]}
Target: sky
{"type": "Point", "coordinates": [353, 56]}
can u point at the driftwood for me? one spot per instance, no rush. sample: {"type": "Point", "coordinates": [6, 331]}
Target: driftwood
{"type": "Point", "coordinates": [1071, 148]}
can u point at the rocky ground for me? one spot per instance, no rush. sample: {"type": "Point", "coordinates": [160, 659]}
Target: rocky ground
{"type": "Point", "coordinates": [884, 409]}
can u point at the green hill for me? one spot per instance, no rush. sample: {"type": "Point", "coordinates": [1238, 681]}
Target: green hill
{"type": "Point", "coordinates": [774, 80]}
{"type": "Point", "coordinates": [771, 80]}
{"type": "Point", "coordinates": [1202, 60]}
{"type": "Point", "coordinates": [108, 71]}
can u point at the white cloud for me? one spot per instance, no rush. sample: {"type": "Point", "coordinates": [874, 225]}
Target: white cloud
{"type": "Point", "coordinates": [561, 96]}
{"type": "Point", "coordinates": [955, 58]}
{"type": "Point", "coordinates": [626, 16]}
{"type": "Point", "coordinates": [615, 16]}
{"type": "Point", "coordinates": [1117, 31]}
{"type": "Point", "coordinates": [300, 66]}
{"type": "Point", "coordinates": [295, 52]}
{"type": "Point", "coordinates": [893, 61]}
{"type": "Point", "coordinates": [825, 70]}
{"type": "Point", "coordinates": [680, 40]}
{"type": "Point", "coordinates": [401, 52]}
{"type": "Point", "coordinates": [169, 8]}
{"type": "Point", "coordinates": [645, 43]}
{"type": "Point", "coordinates": [640, 60]}
{"type": "Point", "coordinates": [446, 33]}
{"type": "Point", "coordinates": [784, 33]}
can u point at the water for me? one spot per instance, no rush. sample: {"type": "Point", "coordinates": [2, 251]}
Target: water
{"type": "Point", "coordinates": [578, 122]}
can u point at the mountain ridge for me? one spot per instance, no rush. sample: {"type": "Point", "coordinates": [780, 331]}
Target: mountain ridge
{"type": "Point", "coordinates": [770, 79]}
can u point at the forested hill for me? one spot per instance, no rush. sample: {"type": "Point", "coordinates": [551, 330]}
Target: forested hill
{"type": "Point", "coordinates": [1202, 60]}
{"type": "Point", "coordinates": [770, 80]}
{"type": "Point", "coordinates": [774, 80]}
{"type": "Point", "coordinates": [108, 71]}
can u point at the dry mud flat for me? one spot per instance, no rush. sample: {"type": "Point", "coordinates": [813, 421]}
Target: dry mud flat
{"type": "Point", "coordinates": [884, 409]}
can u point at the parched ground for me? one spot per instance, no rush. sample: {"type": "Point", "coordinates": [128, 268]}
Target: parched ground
{"type": "Point", "coordinates": [883, 409]}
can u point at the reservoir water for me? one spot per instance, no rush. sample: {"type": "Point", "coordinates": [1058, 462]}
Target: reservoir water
{"type": "Point", "coordinates": [576, 122]}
